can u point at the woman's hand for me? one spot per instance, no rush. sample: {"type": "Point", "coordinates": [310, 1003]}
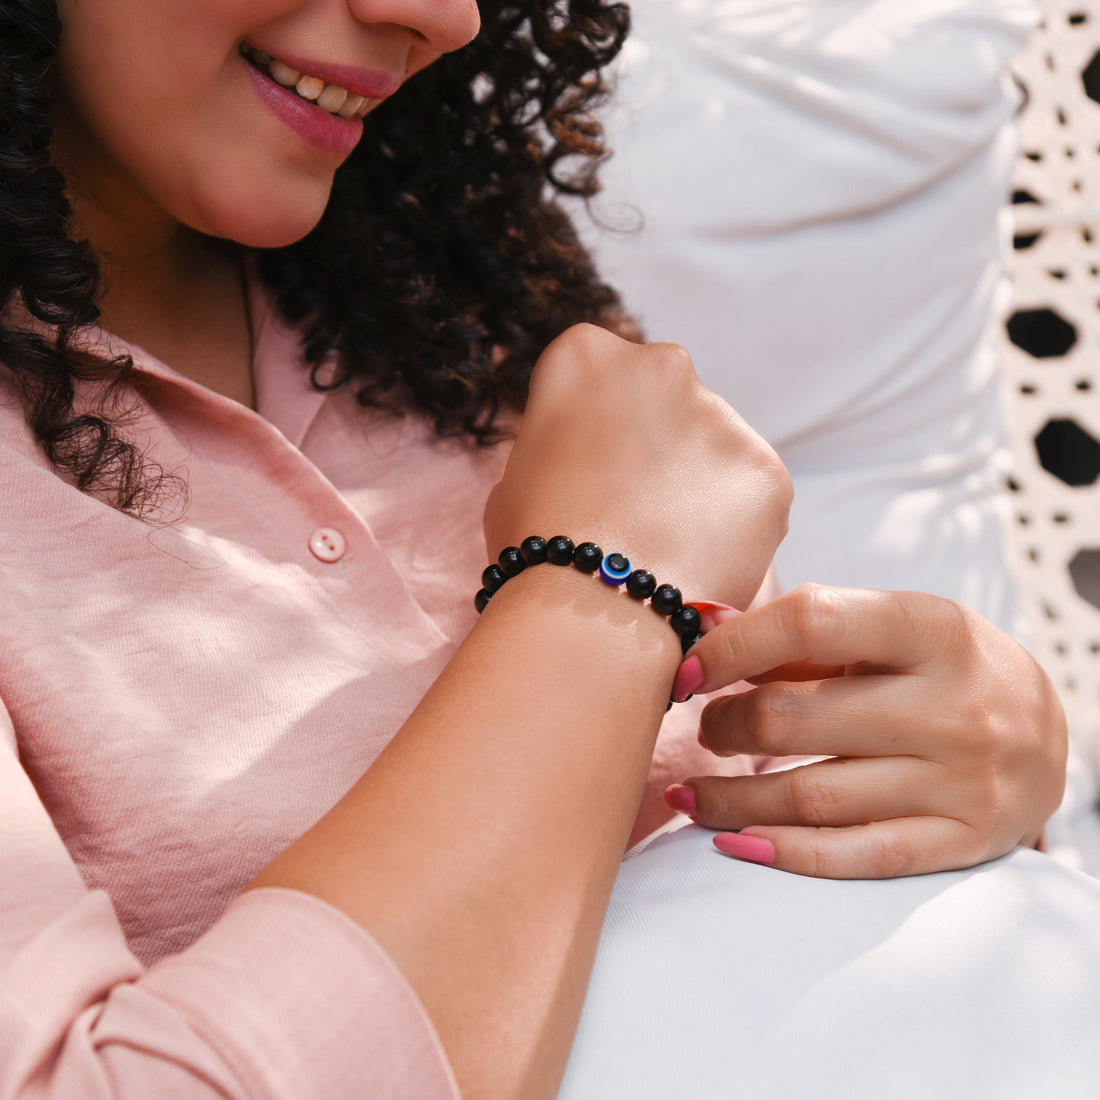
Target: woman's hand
{"type": "Point", "coordinates": [525, 761]}
{"type": "Point", "coordinates": [947, 741]}
{"type": "Point", "coordinates": [622, 444]}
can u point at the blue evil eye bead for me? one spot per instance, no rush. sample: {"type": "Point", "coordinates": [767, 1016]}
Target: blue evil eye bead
{"type": "Point", "coordinates": [615, 569]}
{"type": "Point", "coordinates": [686, 621]}
{"type": "Point", "coordinates": [492, 578]}
{"type": "Point", "coordinates": [481, 600]}
{"type": "Point", "coordinates": [641, 584]}
{"type": "Point", "coordinates": [666, 599]}
{"type": "Point", "coordinates": [587, 557]}
{"type": "Point", "coordinates": [511, 562]}
{"type": "Point", "coordinates": [533, 550]}
{"type": "Point", "coordinates": [559, 550]}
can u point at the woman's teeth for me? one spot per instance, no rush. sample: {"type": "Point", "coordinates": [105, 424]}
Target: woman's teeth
{"type": "Point", "coordinates": [329, 97]}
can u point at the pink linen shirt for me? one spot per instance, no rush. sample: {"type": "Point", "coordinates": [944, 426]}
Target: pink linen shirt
{"type": "Point", "coordinates": [180, 702]}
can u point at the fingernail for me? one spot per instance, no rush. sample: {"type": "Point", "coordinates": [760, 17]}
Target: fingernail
{"type": "Point", "coordinates": [714, 614]}
{"type": "Point", "coordinates": [689, 678]}
{"type": "Point", "coordinates": [681, 799]}
{"type": "Point", "coordinates": [753, 848]}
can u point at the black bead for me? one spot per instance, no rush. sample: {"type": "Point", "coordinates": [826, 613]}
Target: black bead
{"type": "Point", "coordinates": [511, 561]}
{"type": "Point", "coordinates": [482, 599]}
{"type": "Point", "coordinates": [492, 578]}
{"type": "Point", "coordinates": [559, 550]}
{"type": "Point", "coordinates": [688, 640]}
{"type": "Point", "coordinates": [666, 599]}
{"type": "Point", "coordinates": [533, 550]}
{"type": "Point", "coordinates": [587, 557]}
{"type": "Point", "coordinates": [686, 622]}
{"type": "Point", "coordinates": [669, 707]}
{"type": "Point", "coordinates": [641, 584]}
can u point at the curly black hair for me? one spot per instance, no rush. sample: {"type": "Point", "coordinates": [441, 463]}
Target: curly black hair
{"type": "Point", "coordinates": [445, 260]}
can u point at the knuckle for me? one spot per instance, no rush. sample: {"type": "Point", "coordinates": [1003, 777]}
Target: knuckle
{"type": "Point", "coordinates": [764, 713]}
{"type": "Point", "coordinates": [715, 803]}
{"type": "Point", "coordinates": [725, 646]}
{"type": "Point", "coordinates": [807, 610]}
{"type": "Point", "coordinates": [810, 798]}
{"type": "Point", "coordinates": [671, 360]}
{"type": "Point", "coordinates": [584, 334]}
{"type": "Point", "coordinates": [578, 347]}
{"type": "Point", "coordinates": [710, 721]}
{"type": "Point", "coordinates": [955, 623]}
{"type": "Point", "coordinates": [716, 724]}
{"type": "Point", "coordinates": [979, 727]}
{"type": "Point", "coordinates": [859, 854]}
{"type": "Point", "coordinates": [985, 844]}
{"type": "Point", "coordinates": [948, 625]}
{"type": "Point", "coordinates": [784, 493]}
{"type": "Point", "coordinates": [774, 468]}
{"type": "Point", "coordinates": [772, 480]}
{"type": "Point", "coordinates": [893, 854]}
{"type": "Point", "coordinates": [820, 860]}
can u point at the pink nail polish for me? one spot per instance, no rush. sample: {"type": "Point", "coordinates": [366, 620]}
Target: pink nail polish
{"type": "Point", "coordinates": [681, 799]}
{"type": "Point", "coordinates": [753, 848]}
{"type": "Point", "coordinates": [689, 678]}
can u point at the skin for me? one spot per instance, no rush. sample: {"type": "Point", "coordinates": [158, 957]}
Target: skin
{"type": "Point", "coordinates": [948, 742]}
{"type": "Point", "coordinates": [532, 786]}
{"type": "Point", "coordinates": [170, 153]}
{"type": "Point", "coordinates": [482, 860]}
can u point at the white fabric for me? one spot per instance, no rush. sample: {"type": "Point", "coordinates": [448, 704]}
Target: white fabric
{"type": "Point", "coordinates": [718, 979]}
{"type": "Point", "coordinates": [817, 185]}
{"type": "Point", "coordinates": [809, 195]}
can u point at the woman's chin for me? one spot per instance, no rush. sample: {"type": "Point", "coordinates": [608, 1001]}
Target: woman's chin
{"type": "Point", "coordinates": [271, 235]}
{"type": "Point", "coordinates": [262, 223]}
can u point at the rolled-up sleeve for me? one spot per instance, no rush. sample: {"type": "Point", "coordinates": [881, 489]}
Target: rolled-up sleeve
{"type": "Point", "coordinates": [284, 998]}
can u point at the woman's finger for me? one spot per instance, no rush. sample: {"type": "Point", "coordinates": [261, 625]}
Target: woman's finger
{"type": "Point", "coordinates": [795, 671]}
{"type": "Point", "coordinates": [884, 715]}
{"type": "Point", "coordinates": [834, 793]}
{"type": "Point", "coordinates": [881, 849]}
{"type": "Point", "coordinates": [831, 626]}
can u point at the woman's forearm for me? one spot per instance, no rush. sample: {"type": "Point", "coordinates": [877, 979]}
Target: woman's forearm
{"type": "Point", "coordinates": [480, 848]}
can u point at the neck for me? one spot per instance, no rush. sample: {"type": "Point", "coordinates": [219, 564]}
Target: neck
{"type": "Point", "coordinates": [186, 304]}
{"type": "Point", "coordinates": [175, 292]}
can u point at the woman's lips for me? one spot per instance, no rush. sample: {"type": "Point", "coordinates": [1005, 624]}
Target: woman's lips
{"type": "Point", "coordinates": [329, 133]}
{"type": "Point", "coordinates": [369, 83]}
{"type": "Point", "coordinates": [309, 99]}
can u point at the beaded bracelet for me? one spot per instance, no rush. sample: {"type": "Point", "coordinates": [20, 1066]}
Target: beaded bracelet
{"type": "Point", "coordinates": [614, 569]}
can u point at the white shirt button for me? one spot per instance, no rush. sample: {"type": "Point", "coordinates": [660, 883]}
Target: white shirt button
{"type": "Point", "coordinates": [327, 544]}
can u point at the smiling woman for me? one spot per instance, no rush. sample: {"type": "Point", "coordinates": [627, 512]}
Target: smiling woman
{"type": "Point", "coordinates": [440, 264]}
{"type": "Point", "coordinates": [280, 816]}
{"type": "Point", "coordinates": [329, 90]}
{"type": "Point", "coordinates": [259, 173]}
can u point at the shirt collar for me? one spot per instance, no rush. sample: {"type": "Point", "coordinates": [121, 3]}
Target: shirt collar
{"type": "Point", "coordinates": [285, 396]}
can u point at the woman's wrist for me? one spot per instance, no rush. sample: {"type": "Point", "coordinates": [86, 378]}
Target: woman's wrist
{"type": "Point", "coordinates": [566, 607]}
{"type": "Point", "coordinates": [614, 569]}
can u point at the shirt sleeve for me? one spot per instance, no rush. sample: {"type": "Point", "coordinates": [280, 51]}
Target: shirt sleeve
{"type": "Point", "coordinates": [283, 998]}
